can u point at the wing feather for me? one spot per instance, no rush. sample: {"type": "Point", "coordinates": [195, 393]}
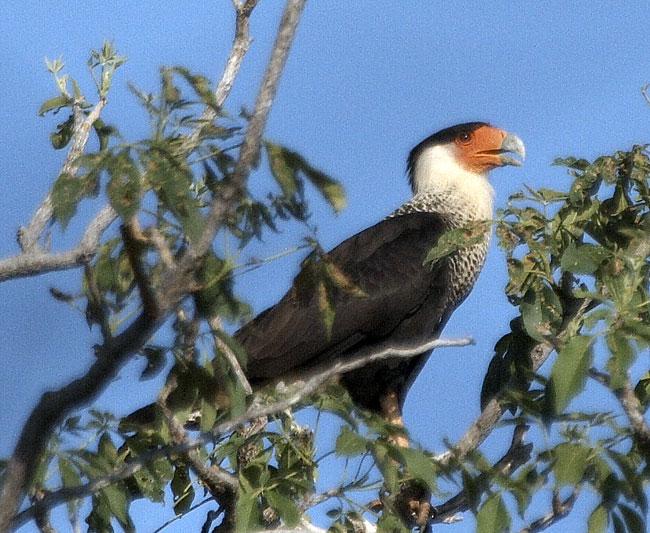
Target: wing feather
{"type": "Point", "coordinates": [386, 262]}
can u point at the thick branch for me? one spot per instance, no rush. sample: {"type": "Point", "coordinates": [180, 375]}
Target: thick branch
{"type": "Point", "coordinates": [298, 391]}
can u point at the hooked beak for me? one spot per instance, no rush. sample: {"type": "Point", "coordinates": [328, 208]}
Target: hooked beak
{"type": "Point", "coordinates": [513, 145]}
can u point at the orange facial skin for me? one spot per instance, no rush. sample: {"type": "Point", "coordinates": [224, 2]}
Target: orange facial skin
{"type": "Point", "coordinates": [482, 149]}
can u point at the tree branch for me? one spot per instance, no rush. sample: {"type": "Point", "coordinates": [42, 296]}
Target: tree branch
{"type": "Point", "coordinates": [220, 206]}
{"type": "Point", "coordinates": [517, 455]}
{"type": "Point", "coordinates": [560, 509]}
{"type": "Point", "coordinates": [36, 261]}
{"type": "Point", "coordinates": [486, 421]}
{"type": "Point", "coordinates": [54, 406]}
{"type": "Point", "coordinates": [28, 235]}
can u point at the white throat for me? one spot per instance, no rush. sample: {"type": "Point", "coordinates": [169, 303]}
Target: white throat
{"type": "Point", "coordinates": [437, 173]}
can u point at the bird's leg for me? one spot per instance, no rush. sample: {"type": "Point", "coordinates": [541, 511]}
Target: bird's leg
{"type": "Point", "coordinates": [413, 500]}
{"type": "Point", "coordinates": [391, 411]}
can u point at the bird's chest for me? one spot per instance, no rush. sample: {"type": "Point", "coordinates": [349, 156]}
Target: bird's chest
{"type": "Point", "coordinates": [464, 267]}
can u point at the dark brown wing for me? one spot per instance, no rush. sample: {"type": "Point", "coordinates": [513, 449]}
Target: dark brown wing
{"type": "Point", "coordinates": [404, 301]}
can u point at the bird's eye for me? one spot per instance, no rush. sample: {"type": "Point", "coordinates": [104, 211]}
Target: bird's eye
{"type": "Point", "coordinates": [464, 137]}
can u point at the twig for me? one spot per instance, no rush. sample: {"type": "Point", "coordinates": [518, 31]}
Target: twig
{"type": "Point", "coordinates": [240, 44]}
{"type": "Point", "coordinates": [560, 509]}
{"type": "Point", "coordinates": [220, 483]}
{"type": "Point", "coordinates": [299, 390]}
{"type": "Point", "coordinates": [630, 404]}
{"type": "Point", "coordinates": [215, 325]}
{"type": "Point", "coordinates": [517, 455]}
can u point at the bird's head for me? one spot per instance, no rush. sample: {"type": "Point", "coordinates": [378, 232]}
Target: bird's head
{"type": "Point", "coordinates": [461, 152]}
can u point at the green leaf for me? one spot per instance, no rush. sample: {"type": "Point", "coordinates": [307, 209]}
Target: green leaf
{"type": "Point", "coordinates": [457, 238]}
{"type": "Point", "coordinates": [583, 259]}
{"type": "Point", "coordinates": [69, 478]}
{"type": "Point", "coordinates": [623, 355]}
{"type": "Point", "coordinates": [541, 311]}
{"type": "Point", "coordinates": [642, 390]}
{"type": "Point", "coordinates": [570, 463]}
{"type": "Point", "coordinates": [418, 466]}
{"type": "Point", "coordinates": [124, 187]}
{"type": "Point", "coordinates": [348, 443]}
{"type": "Point", "coordinates": [284, 173]}
{"type": "Point", "coordinates": [285, 167]}
{"type": "Point", "coordinates": [53, 104]}
{"type": "Point", "coordinates": [106, 449]}
{"type": "Point", "coordinates": [182, 490]}
{"type": "Point", "coordinates": [118, 503]}
{"type": "Point", "coordinates": [169, 176]}
{"type": "Point", "coordinates": [329, 188]}
{"type": "Point", "coordinates": [208, 414]}
{"type": "Point", "coordinates": [61, 137]}
{"type": "Point", "coordinates": [66, 194]}
{"type": "Point", "coordinates": [285, 506]}
{"type": "Point", "coordinates": [390, 523]}
{"type": "Point", "coordinates": [150, 484]}
{"type": "Point", "coordinates": [569, 372]}
{"type": "Point", "coordinates": [597, 522]}
{"type": "Point", "coordinates": [386, 464]}
{"type": "Point", "coordinates": [247, 513]}
{"type": "Point", "coordinates": [493, 516]}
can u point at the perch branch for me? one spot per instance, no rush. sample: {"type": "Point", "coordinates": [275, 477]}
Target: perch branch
{"type": "Point", "coordinates": [299, 390]}
{"type": "Point", "coordinates": [486, 421]}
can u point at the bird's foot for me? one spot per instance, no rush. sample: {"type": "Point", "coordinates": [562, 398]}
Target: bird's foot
{"type": "Point", "coordinates": [414, 506]}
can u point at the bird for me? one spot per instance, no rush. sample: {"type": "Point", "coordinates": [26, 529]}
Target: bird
{"type": "Point", "coordinates": [390, 298]}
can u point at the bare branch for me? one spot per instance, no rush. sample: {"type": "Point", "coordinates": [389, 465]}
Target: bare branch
{"type": "Point", "coordinates": [28, 235]}
{"type": "Point", "coordinates": [298, 391]}
{"type": "Point", "coordinates": [221, 205]}
{"type": "Point", "coordinates": [561, 508]}
{"type": "Point", "coordinates": [37, 261]}
{"type": "Point", "coordinates": [240, 45]}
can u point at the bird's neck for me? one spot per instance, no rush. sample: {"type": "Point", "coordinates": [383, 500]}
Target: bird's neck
{"type": "Point", "coordinates": [441, 185]}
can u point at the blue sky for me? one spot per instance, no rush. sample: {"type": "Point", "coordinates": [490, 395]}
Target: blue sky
{"type": "Point", "coordinates": [365, 82]}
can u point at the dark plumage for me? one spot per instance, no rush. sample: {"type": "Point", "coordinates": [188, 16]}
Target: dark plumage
{"type": "Point", "coordinates": [404, 301]}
